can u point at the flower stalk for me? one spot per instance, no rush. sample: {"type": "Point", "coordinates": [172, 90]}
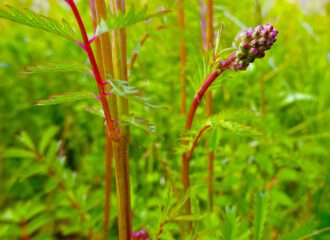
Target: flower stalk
{"type": "Point", "coordinates": [250, 44]}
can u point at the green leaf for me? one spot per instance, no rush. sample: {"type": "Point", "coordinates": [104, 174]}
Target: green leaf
{"type": "Point", "coordinates": [26, 140]}
{"type": "Point", "coordinates": [68, 97]}
{"type": "Point", "coordinates": [234, 127]}
{"type": "Point", "coordinates": [132, 120]}
{"type": "Point", "coordinates": [46, 139]}
{"type": "Point", "coordinates": [260, 212]}
{"type": "Point", "coordinates": [18, 153]}
{"type": "Point", "coordinates": [303, 229]}
{"type": "Point", "coordinates": [57, 67]}
{"type": "Point", "coordinates": [296, 97]}
{"type": "Point", "coordinates": [129, 120]}
{"type": "Point", "coordinates": [126, 90]}
{"type": "Point", "coordinates": [123, 20]}
{"type": "Point", "coordinates": [31, 19]}
{"type": "Point", "coordinates": [31, 170]}
{"type": "Point", "coordinates": [37, 223]}
{"type": "Point", "coordinates": [193, 217]}
{"type": "Point", "coordinates": [230, 224]}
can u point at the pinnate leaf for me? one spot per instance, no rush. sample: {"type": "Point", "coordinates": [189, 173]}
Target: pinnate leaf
{"type": "Point", "coordinates": [68, 97]}
{"type": "Point", "coordinates": [31, 19]}
{"type": "Point", "coordinates": [57, 67]}
{"type": "Point", "coordinates": [123, 20]}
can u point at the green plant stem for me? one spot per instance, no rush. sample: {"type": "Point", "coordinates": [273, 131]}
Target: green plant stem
{"type": "Point", "coordinates": [121, 139]}
{"type": "Point", "coordinates": [118, 47]}
{"type": "Point", "coordinates": [104, 59]}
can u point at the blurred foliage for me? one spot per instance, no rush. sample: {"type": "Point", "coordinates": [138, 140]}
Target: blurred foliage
{"type": "Point", "coordinates": [52, 158]}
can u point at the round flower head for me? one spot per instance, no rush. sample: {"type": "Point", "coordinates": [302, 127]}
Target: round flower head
{"type": "Point", "coordinates": [252, 44]}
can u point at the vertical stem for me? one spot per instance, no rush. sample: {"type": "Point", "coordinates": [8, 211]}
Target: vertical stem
{"type": "Point", "coordinates": [120, 139]}
{"type": "Point", "coordinates": [25, 235]}
{"type": "Point", "coordinates": [118, 47]}
{"type": "Point", "coordinates": [104, 59]}
{"type": "Point", "coordinates": [183, 58]}
{"type": "Point", "coordinates": [209, 105]}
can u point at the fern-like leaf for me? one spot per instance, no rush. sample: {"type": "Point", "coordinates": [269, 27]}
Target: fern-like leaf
{"type": "Point", "coordinates": [31, 19]}
{"type": "Point", "coordinates": [123, 20]}
{"type": "Point", "coordinates": [68, 97]}
{"type": "Point", "coordinates": [57, 67]}
{"type": "Point", "coordinates": [260, 213]}
{"type": "Point", "coordinates": [235, 127]}
{"type": "Point", "coordinates": [126, 90]}
{"type": "Point", "coordinates": [130, 120]}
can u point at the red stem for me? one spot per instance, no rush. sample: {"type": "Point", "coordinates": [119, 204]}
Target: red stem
{"type": "Point", "coordinates": [194, 144]}
{"type": "Point", "coordinates": [110, 125]}
{"type": "Point", "coordinates": [198, 97]}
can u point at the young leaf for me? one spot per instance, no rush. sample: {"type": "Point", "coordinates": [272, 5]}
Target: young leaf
{"type": "Point", "coordinates": [123, 20]}
{"type": "Point", "coordinates": [190, 217]}
{"type": "Point", "coordinates": [137, 122]}
{"type": "Point", "coordinates": [230, 224]}
{"type": "Point", "coordinates": [126, 90]}
{"type": "Point", "coordinates": [34, 20]}
{"type": "Point", "coordinates": [46, 139]}
{"type": "Point", "coordinates": [57, 67]}
{"type": "Point", "coordinates": [18, 153]}
{"type": "Point", "coordinates": [68, 97]}
{"type": "Point", "coordinates": [234, 127]}
{"type": "Point", "coordinates": [303, 229]}
{"type": "Point", "coordinates": [260, 212]}
{"type": "Point", "coordinates": [130, 120]}
{"type": "Point", "coordinates": [26, 140]}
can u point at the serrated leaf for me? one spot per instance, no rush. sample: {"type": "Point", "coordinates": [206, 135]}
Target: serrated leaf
{"type": "Point", "coordinates": [132, 120]}
{"type": "Point", "coordinates": [123, 20]}
{"type": "Point", "coordinates": [230, 224]}
{"type": "Point", "coordinates": [235, 127]}
{"type": "Point", "coordinates": [259, 216]}
{"type": "Point", "coordinates": [95, 111]}
{"type": "Point", "coordinates": [31, 19]}
{"type": "Point", "coordinates": [303, 229]}
{"type": "Point", "coordinates": [18, 153]}
{"type": "Point", "coordinates": [57, 67]}
{"type": "Point", "coordinates": [26, 140]}
{"type": "Point", "coordinates": [126, 90]}
{"type": "Point", "coordinates": [68, 97]}
{"type": "Point", "coordinates": [47, 137]}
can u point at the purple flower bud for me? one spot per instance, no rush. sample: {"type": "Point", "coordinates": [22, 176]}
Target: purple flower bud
{"type": "Point", "coordinates": [254, 51]}
{"type": "Point", "coordinates": [252, 44]}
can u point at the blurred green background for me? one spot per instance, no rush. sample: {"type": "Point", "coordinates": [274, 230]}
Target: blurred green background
{"type": "Point", "coordinates": [288, 92]}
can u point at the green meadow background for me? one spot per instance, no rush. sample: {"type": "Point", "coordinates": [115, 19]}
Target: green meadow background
{"type": "Point", "coordinates": [286, 95]}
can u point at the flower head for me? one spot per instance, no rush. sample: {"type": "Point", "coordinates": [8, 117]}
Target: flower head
{"type": "Point", "coordinates": [141, 235]}
{"type": "Point", "coordinates": [252, 44]}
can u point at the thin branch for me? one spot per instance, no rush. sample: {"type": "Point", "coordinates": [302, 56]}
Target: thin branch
{"type": "Point", "coordinates": [141, 43]}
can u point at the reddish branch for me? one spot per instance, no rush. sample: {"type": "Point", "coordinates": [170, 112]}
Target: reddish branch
{"type": "Point", "coordinates": [137, 52]}
{"type": "Point", "coordinates": [97, 75]}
